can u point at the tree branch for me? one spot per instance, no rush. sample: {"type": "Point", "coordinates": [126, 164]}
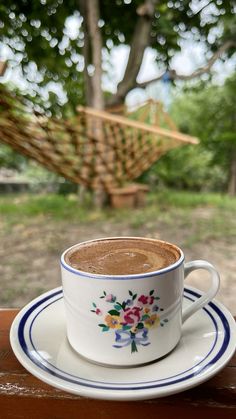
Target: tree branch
{"type": "Point", "coordinates": [207, 67]}
{"type": "Point", "coordinates": [203, 7]}
{"type": "Point", "coordinates": [3, 67]}
{"type": "Point", "coordinates": [201, 70]}
{"type": "Point", "coordinates": [139, 42]}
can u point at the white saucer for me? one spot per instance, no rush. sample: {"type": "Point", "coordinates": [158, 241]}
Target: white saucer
{"type": "Point", "coordinates": [38, 339]}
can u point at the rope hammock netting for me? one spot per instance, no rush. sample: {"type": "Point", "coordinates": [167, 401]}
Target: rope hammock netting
{"type": "Point", "coordinates": [97, 149]}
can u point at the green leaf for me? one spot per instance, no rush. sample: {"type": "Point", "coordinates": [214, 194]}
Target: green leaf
{"type": "Point", "coordinates": [151, 292]}
{"type": "Point", "coordinates": [133, 347]}
{"type": "Point", "coordinates": [140, 326]}
{"type": "Point", "coordinates": [134, 296]}
{"type": "Point", "coordinates": [102, 325]}
{"type": "Point", "coordinates": [105, 329]}
{"type": "Point", "coordinates": [145, 317]}
{"type": "Point", "coordinates": [94, 305]}
{"type": "Point", "coordinates": [114, 312]}
{"type": "Point", "coordinates": [117, 307]}
{"type": "Point", "coordinates": [130, 293]}
{"type": "Point", "coordinates": [104, 292]}
{"type": "Point", "coordinates": [126, 327]}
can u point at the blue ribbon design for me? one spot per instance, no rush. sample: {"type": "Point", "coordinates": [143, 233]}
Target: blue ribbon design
{"type": "Point", "coordinates": [126, 338]}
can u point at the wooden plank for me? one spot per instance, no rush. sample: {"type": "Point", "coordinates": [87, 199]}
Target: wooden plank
{"type": "Point", "coordinates": [139, 125]}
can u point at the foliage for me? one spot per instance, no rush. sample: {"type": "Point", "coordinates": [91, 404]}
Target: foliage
{"type": "Point", "coordinates": [208, 112]}
{"type": "Point", "coordinates": [188, 167]}
{"type": "Point", "coordinates": [10, 159]}
{"type": "Point", "coordinates": [39, 35]}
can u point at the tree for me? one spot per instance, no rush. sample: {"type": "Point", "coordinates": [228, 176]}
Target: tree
{"type": "Point", "coordinates": [37, 34]}
{"type": "Point", "coordinates": [208, 111]}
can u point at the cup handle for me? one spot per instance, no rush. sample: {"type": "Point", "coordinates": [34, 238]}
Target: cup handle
{"type": "Point", "coordinates": [210, 294]}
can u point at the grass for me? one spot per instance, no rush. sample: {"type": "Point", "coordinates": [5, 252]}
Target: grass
{"type": "Point", "coordinates": [59, 207]}
{"type": "Point", "coordinates": [175, 209]}
{"type": "Point", "coordinates": [55, 206]}
{"type": "Point", "coordinates": [188, 199]}
{"type": "Point", "coordinates": [38, 227]}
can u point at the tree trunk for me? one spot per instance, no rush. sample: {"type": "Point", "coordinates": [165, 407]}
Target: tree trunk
{"type": "Point", "coordinates": [92, 53]}
{"type": "Point", "coordinates": [232, 175]}
{"type": "Point", "coordinates": [94, 93]}
{"type": "Point", "coordinates": [86, 54]}
{"type": "Point", "coordinates": [96, 52]}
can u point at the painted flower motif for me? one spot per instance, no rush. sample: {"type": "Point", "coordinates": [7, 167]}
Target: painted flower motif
{"type": "Point", "coordinates": [110, 298]}
{"type": "Point", "coordinates": [146, 310]}
{"type": "Point", "coordinates": [98, 311]}
{"type": "Point", "coordinates": [129, 302]}
{"type": "Point", "coordinates": [146, 299]}
{"type": "Point", "coordinates": [152, 321]}
{"type": "Point", "coordinates": [130, 319]}
{"type": "Point", "coordinates": [132, 315]}
{"type": "Point", "coordinates": [114, 322]}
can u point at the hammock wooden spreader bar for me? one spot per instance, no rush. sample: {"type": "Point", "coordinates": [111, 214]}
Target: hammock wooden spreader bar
{"type": "Point", "coordinates": [96, 149]}
{"type": "Point", "coordinates": [176, 135]}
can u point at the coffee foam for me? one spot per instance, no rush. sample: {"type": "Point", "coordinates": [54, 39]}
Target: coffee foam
{"type": "Point", "coordinates": [122, 256]}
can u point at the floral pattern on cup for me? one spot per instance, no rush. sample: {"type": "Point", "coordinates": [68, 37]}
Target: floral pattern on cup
{"type": "Point", "coordinates": [130, 320]}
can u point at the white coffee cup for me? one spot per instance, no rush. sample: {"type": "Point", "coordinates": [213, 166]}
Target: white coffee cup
{"type": "Point", "coordinates": [127, 320]}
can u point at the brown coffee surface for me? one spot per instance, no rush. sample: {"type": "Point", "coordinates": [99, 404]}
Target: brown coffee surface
{"type": "Point", "coordinates": [122, 256]}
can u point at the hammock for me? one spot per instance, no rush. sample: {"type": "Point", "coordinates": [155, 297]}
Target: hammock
{"type": "Point", "coordinates": [96, 149]}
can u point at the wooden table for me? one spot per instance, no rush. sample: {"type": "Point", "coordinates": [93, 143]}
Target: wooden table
{"type": "Point", "coordinates": [24, 396]}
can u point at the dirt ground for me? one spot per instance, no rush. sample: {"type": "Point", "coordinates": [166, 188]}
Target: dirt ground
{"type": "Point", "coordinates": [30, 252]}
